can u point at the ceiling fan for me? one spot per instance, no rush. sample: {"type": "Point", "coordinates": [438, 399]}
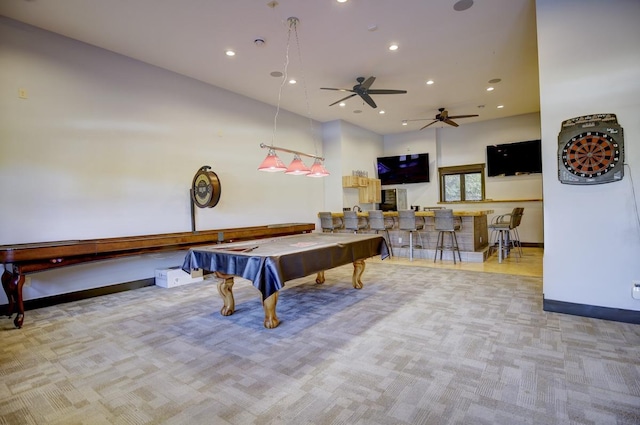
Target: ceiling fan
{"type": "Point", "coordinates": [443, 116]}
{"type": "Point", "coordinates": [362, 89]}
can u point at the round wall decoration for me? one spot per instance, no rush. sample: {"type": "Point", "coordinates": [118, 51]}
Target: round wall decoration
{"type": "Point", "coordinates": [591, 150]}
{"type": "Point", "coordinates": [206, 188]}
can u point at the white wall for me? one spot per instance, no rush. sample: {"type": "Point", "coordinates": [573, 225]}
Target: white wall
{"type": "Point", "coordinates": [106, 146]}
{"type": "Point", "coordinates": [589, 56]}
{"type": "Point", "coordinates": [360, 148]}
{"type": "Point", "coordinates": [421, 194]}
{"type": "Point", "coordinates": [332, 140]}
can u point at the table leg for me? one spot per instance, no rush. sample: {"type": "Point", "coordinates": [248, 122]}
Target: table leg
{"type": "Point", "coordinates": [12, 284]}
{"type": "Point", "coordinates": [358, 269]}
{"type": "Point", "coordinates": [269, 305]}
{"type": "Point", "coordinates": [225, 289]}
{"type": "Point", "coordinates": [500, 236]}
{"type": "Point", "coordinates": [7, 277]}
{"type": "Point", "coordinates": [410, 246]}
{"type": "Point", "coordinates": [320, 277]}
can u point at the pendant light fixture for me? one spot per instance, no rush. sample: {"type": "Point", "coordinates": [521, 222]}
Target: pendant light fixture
{"type": "Point", "coordinates": [297, 167]}
{"type": "Point", "coordinates": [272, 162]}
{"type": "Point", "coordinates": [317, 169]}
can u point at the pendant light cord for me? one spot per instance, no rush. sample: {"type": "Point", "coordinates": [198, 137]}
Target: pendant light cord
{"type": "Point", "coordinates": [294, 23]}
{"type": "Point", "coordinates": [284, 78]}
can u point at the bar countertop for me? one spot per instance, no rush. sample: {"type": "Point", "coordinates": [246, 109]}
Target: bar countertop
{"type": "Point", "coordinates": [458, 213]}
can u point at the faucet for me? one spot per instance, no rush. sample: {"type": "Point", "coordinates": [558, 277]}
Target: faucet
{"type": "Point", "coordinates": [356, 208]}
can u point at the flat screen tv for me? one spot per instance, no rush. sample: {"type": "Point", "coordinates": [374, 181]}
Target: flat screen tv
{"type": "Point", "coordinates": [401, 169]}
{"type": "Point", "coordinates": [513, 159]}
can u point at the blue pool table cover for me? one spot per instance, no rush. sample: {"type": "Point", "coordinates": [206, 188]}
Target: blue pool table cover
{"type": "Point", "coordinates": [269, 263]}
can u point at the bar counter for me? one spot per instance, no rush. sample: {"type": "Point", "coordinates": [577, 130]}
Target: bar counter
{"type": "Point", "coordinates": [456, 213]}
{"type": "Point", "coordinates": [473, 237]}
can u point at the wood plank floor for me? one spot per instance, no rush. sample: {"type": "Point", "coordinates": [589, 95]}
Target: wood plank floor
{"type": "Point", "coordinates": [529, 265]}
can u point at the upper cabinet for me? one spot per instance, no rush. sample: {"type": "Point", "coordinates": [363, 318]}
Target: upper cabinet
{"type": "Point", "coordinates": [372, 194]}
{"type": "Point", "coordinates": [355, 181]}
{"type": "Point", "coordinates": [369, 190]}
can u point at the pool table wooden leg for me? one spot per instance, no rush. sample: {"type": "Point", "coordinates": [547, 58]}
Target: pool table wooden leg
{"type": "Point", "coordinates": [320, 277]}
{"type": "Point", "coordinates": [269, 305]}
{"type": "Point", "coordinates": [358, 269]}
{"type": "Point", "coordinates": [225, 287]}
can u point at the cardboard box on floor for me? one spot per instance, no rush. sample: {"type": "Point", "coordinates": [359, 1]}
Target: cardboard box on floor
{"type": "Point", "coordinates": [175, 276]}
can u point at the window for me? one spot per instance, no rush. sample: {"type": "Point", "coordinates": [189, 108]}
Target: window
{"type": "Point", "coordinates": [462, 183]}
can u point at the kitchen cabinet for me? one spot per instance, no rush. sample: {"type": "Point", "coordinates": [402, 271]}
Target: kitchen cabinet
{"type": "Point", "coordinates": [372, 193]}
{"type": "Point", "coordinates": [369, 190]}
{"type": "Point", "coordinates": [355, 181]}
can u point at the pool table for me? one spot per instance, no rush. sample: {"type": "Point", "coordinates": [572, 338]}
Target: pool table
{"type": "Point", "coordinates": [269, 263]}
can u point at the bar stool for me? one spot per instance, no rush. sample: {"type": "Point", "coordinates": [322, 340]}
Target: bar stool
{"type": "Point", "coordinates": [515, 239]}
{"type": "Point", "coordinates": [408, 221]}
{"type": "Point", "coordinates": [352, 222]}
{"type": "Point", "coordinates": [445, 224]}
{"type": "Point", "coordinates": [501, 228]}
{"type": "Point", "coordinates": [328, 224]}
{"type": "Point", "coordinates": [377, 223]}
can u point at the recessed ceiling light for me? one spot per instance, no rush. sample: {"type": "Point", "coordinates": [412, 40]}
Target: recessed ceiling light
{"type": "Point", "coordinates": [393, 47]}
{"type": "Point", "coordinates": [500, 106]}
{"type": "Point", "coordinates": [381, 112]}
{"type": "Point", "coordinates": [429, 82]}
{"type": "Point", "coordinates": [490, 88]}
{"type": "Point", "coordinates": [230, 53]}
{"type": "Point", "coordinates": [404, 122]}
{"type": "Point", "coordinates": [357, 111]}
{"type": "Point", "coordinates": [292, 81]}
{"type": "Point", "coordinates": [341, 1]}
{"type": "Point", "coordinates": [276, 74]}
{"type": "Point", "coordinates": [372, 27]}
{"type": "Point", "coordinates": [494, 81]}
{"type": "Point", "coordinates": [342, 104]}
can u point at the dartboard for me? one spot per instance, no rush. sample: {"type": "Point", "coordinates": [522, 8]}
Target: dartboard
{"type": "Point", "coordinates": [590, 154]}
{"type": "Point", "coordinates": [591, 150]}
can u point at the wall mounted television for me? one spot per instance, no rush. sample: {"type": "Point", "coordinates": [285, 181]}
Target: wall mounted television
{"type": "Point", "coordinates": [401, 169]}
{"type": "Point", "coordinates": [512, 159]}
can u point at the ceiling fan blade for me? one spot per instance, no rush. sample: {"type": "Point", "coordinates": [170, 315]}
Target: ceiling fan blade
{"type": "Point", "coordinates": [367, 83]}
{"type": "Point", "coordinates": [368, 99]}
{"type": "Point", "coordinates": [383, 91]}
{"type": "Point", "coordinates": [448, 121]}
{"type": "Point", "coordinates": [433, 122]}
{"type": "Point", "coordinates": [345, 98]}
{"type": "Point", "coordinates": [464, 116]}
{"type": "Point", "coordinates": [331, 88]}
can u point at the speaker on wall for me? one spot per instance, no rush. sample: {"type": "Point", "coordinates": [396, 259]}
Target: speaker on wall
{"type": "Point", "coordinates": [591, 150]}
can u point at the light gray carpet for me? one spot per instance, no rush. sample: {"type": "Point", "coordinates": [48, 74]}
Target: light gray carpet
{"type": "Point", "coordinates": [414, 346]}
